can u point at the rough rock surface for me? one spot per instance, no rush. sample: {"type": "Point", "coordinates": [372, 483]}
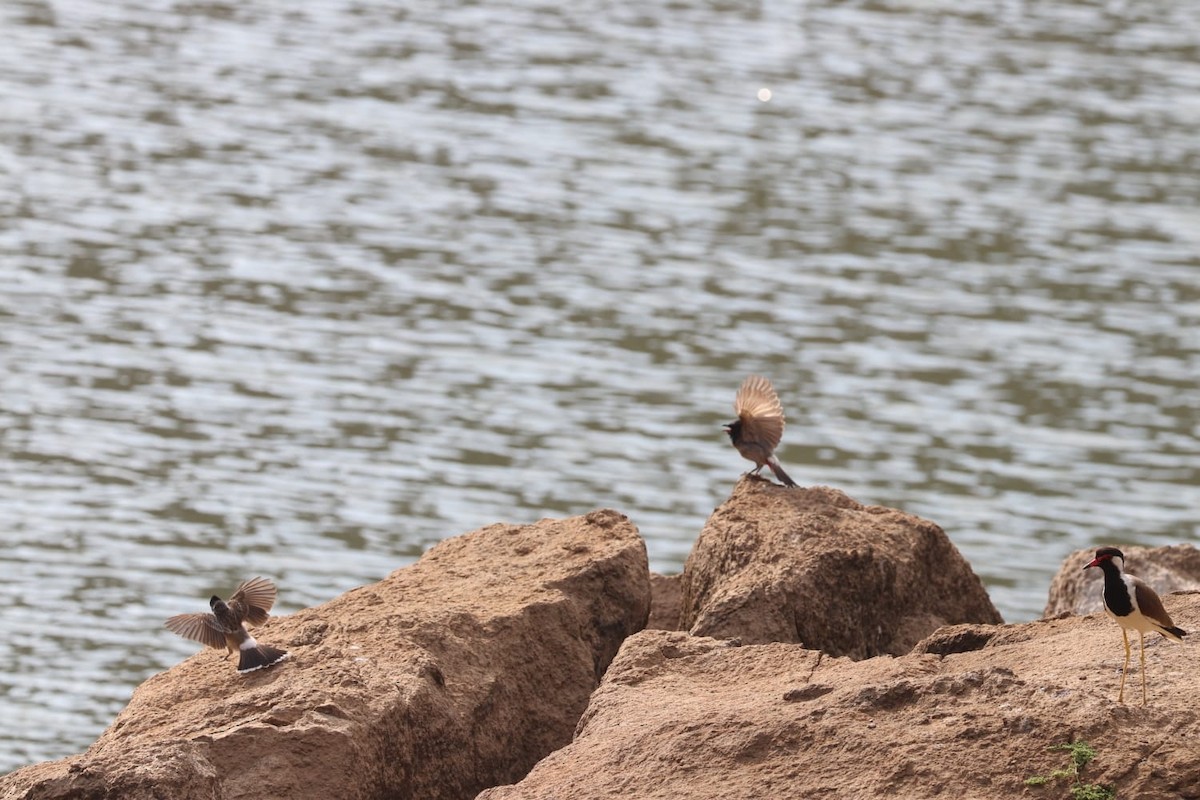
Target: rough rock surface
{"type": "Point", "coordinates": [665, 596]}
{"type": "Point", "coordinates": [685, 717]}
{"type": "Point", "coordinates": [814, 566]}
{"type": "Point", "coordinates": [1166, 569]}
{"type": "Point", "coordinates": [454, 674]}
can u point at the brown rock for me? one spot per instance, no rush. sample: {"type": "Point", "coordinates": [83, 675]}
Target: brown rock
{"type": "Point", "coordinates": [665, 595]}
{"type": "Point", "coordinates": [814, 566]}
{"type": "Point", "coordinates": [454, 674]}
{"type": "Point", "coordinates": [682, 717]}
{"type": "Point", "coordinates": [1078, 591]}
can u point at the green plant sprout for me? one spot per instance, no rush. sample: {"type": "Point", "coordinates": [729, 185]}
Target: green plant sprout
{"type": "Point", "coordinates": [1081, 753]}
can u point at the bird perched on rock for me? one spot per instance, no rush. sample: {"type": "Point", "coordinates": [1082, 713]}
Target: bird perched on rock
{"type": "Point", "coordinates": [759, 426]}
{"type": "Point", "coordinates": [1134, 606]}
{"type": "Point", "coordinates": [226, 625]}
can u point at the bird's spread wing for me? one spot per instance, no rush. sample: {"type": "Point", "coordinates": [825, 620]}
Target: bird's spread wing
{"type": "Point", "coordinates": [202, 628]}
{"type": "Point", "coordinates": [1149, 604]}
{"type": "Point", "coordinates": [253, 600]}
{"type": "Point", "coordinates": [758, 407]}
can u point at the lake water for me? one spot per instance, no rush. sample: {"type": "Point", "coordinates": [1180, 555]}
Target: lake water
{"type": "Point", "coordinates": [299, 289]}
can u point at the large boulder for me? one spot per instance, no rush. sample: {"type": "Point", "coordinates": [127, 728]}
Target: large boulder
{"type": "Point", "coordinates": [813, 566]}
{"type": "Point", "coordinates": [454, 674]}
{"type": "Point", "coordinates": [972, 713]}
{"type": "Point", "coordinates": [1165, 569]}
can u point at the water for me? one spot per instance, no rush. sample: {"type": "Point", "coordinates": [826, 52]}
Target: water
{"type": "Point", "coordinates": [300, 289]}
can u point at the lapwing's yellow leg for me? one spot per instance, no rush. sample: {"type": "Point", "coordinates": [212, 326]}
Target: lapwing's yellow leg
{"type": "Point", "coordinates": [1121, 693]}
{"type": "Point", "coordinates": [1142, 636]}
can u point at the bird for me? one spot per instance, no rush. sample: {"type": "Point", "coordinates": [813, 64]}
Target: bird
{"type": "Point", "coordinates": [1134, 606]}
{"type": "Point", "coordinates": [226, 625]}
{"type": "Point", "coordinates": [759, 426]}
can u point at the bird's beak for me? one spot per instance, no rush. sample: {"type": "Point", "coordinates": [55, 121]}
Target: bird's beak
{"type": "Point", "coordinates": [1095, 563]}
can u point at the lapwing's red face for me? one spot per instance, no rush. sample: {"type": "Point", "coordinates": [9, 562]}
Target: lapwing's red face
{"type": "Point", "coordinates": [1105, 554]}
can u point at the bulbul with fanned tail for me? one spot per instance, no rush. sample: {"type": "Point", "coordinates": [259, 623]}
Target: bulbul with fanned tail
{"type": "Point", "coordinates": [1134, 606]}
{"type": "Point", "coordinates": [226, 625]}
{"type": "Point", "coordinates": [759, 426]}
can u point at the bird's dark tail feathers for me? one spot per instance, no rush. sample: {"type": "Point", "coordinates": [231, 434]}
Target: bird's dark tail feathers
{"type": "Point", "coordinates": [1174, 633]}
{"type": "Point", "coordinates": [259, 656]}
{"type": "Point", "coordinates": [773, 463]}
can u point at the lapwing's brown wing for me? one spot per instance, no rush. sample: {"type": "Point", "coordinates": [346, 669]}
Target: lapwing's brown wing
{"type": "Point", "coordinates": [202, 628]}
{"type": "Point", "coordinates": [1152, 609]}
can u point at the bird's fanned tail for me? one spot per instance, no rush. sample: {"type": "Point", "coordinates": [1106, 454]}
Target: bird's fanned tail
{"type": "Point", "coordinates": [258, 656]}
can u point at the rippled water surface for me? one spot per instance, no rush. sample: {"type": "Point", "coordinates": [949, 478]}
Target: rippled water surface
{"type": "Point", "coordinates": [298, 289]}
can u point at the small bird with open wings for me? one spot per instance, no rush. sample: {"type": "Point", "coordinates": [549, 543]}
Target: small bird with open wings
{"type": "Point", "coordinates": [759, 426]}
{"type": "Point", "coordinates": [226, 625]}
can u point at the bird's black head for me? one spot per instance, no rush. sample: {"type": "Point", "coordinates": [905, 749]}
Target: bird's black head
{"type": "Point", "coordinates": [734, 429]}
{"type": "Point", "coordinates": [1105, 554]}
{"type": "Point", "coordinates": [215, 601]}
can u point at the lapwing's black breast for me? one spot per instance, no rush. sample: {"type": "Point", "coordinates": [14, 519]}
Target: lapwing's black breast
{"type": "Point", "coordinates": [1116, 593]}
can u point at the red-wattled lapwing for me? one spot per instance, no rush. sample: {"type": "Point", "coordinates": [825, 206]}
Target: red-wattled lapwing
{"type": "Point", "coordinates": [1134, 606]}
{"type": "Point", "coordinates": [759, 426]}
{"type": "Point", "coordinates": [225, 626]}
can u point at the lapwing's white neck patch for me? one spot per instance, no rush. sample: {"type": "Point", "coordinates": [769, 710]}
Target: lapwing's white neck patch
{"type": "Point", "coordinates": [1132, 587]}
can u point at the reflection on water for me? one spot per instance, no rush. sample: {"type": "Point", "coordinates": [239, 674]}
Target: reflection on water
{"type": "Point", "coordinates": [297, 290]}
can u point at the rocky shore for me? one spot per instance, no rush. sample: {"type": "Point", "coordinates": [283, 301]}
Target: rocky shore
{"type": "Point", "coordinates": [812, 647]}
